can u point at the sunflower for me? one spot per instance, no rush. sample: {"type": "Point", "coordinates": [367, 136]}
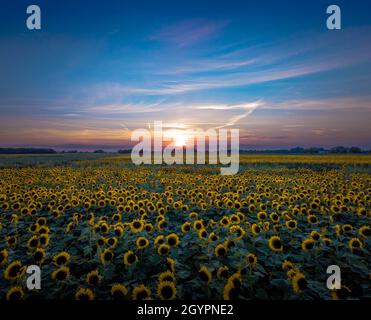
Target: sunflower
{"type": "Point", "coordinates": [312, 219]}
{"type": "Point", "coordinates": [161, 224]}
{"type": "Point", "coordinates": [230, 292]}
{"type": "Point", "coordinates": [291, 273]}
{"type": "Point", "coordinates": [33, 242]}
{"type": "Point", "coordinates": [3, 257]}
{"type": "Point", "coordinates": [84, 294]}
{"type": "Point", "coordinates": [251, 259]}
{"type": "Point", "coordinates": [315, 235]}
{"type": "Point", "coordinates": [163, 249]}
{"type": "Point", "coordinates": [170, 264]}
{"type": "Point", "coordinates": [225, 222]}
{"type": "Point", "coordinates": [236, 279]}
{"type": "Point", "coordinates": [238, 231]}
{"type": "Point", "coordinates": [186, 227]}
{"type": "Point", "coordinates": [167, 276]}
{"type": "Point", "coordinates": [11, 241]}
{"type": "Point", "coordinates": [119, 291]}
{"type": "Point", "coordinates": [355, 244]}
{"type": "Point", "coordinates": [291, 224]}
{"type": "Point", "coordinates": [202, 234]}
{"type": "Point", "coordinates": [61, 274]}
{"type": "Point", "coordinates": [41, 221]}
{"type": "Point", "coordinates": [220, 250]}
{"type": "Point", "coordinates": [39, 255]}
{"type": "Point", "coordinates": [326, 241]}
{"type": "Point", "coordinates": [106, 256]}
{"type": "Point", "coordinates": [222, 272]}
{"type": "Point", "coordinates": [287, 265]}
{"type": "Point", "coordinates": [93, 278]}
{"type": "Point", "coordinates": [159, 240]}
{"type": "Point", "coordinates": [61, 258]}
{"type": "Point", "coordinates": [205, 274]}
{"type": "Point", "coordinates": [299, 283]}
{"type": "Point", "coordinates": [275, 244]}
{"type": "Point", "coordinates": [229, 243]}
{"type": "Point", "coordinates": [112, 242]}
{"type": "Point", "coordinates": [193, 215]}
{"type": "Point", "coordinates": [307, 244]}
{"type": "Point", "coordinates": [15, 293]}
{"type": "Point", "coordinates": [119, 231]}
{"type": "Point", "coordinates": [129, 258]}
{"type": "Point", "coordinates": [347, 228]}
{"type": "Point", "coordinates": [255, 229]}
{"type": "Point", "coordinates": [213, 237]}
{"type": "Point", "coordinates": [172, 240]}
{"type": "Point", "coordinates": [101, 242]}
{"type": "Point", "coordinates": [44, 240]}
{"type": "Point", "coordinates": [14, 270]}
{"type": "Point", "coordinates": [341, 294]}
{"type": "Point", "coordinates": [166, 290]}
{"type": "Point", "coordinates": [142, 243]}
{"type": "Point", "coordinates": [262, 215]}
{"type": "Point", "coordinates": [198, 225]}
{"type": "Point", "coordinates": [364, 232]}
{"type": "Point", "coordinates": [136, 226]}
{"type": "Point", "coordinates": [141, 292]}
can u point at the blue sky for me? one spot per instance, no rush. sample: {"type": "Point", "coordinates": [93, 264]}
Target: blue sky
{"type": "Point", "coordinates": [96, 71]}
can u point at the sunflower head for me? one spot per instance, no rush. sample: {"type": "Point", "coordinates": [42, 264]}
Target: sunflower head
{"type": "Point", "coordinates": [205, 274]}
{"type": "Point", "coordinates": [15, 293]}
{"type": "Point", "coordinates": [299, 283]}
{"type": "Point", "coordinates": [307, 244]}
{"type": "Point", "coordinates": [230, 292]}
{"type": "Point", "coordinates": [172, 240]}
{"type": "Point", "coordinates": [167, 276]}
{"type": "Point", "coordinates": [141, 292]}
{"type": "Point", "coordinates": [291, 224]}
{"type": "Point", "coordinates": [136, 226]}
{"type": "Point", "coordinates": [3, 257]}
{"type": "Point", "coordinates": [355, 244]}
{"type": "Point", "coordinates": [222, 272]}
{"type": "Point", "coordinates": [186, 227]}
{"type": "Point", "coordinates": [275, 244]}
{"type": "Point", "coordinates": [119, 291]}
{"type": "Point", "coordinates": [170, 264]}
{"type": "Point", "coordinates": [61, 274]}
{"type": "Point", "coordinates": [220, 250]}
{"type": "Point", "coordinates": [61, 258]}
{"type": "Point", "coordinates": [106, 256]}
{"type": "Point", "coordinates": [130, 258]}
{"type": "Point", "coordinates": [163, 249]}
{"type": "Point", "coordinates": [84, 294]}
{"type": "Point", "coordinates": [166, 290]}
{"type": "Point", "coordinates": [251, 259]}
{"type": "Point", "coordinates": [365, 232]}
{"type": "Point", "coordinates": [93, 278]}
{"type": "Point", "coordinates": [287, 265]}
{"type": "Point", "coordinates": [142, 243]}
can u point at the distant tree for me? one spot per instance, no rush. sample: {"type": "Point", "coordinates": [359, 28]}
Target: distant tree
{"type": "Point", "coordinates": [355, 150]}
{"type": "Point", "coordinates": [26, 151]}
{"type": "Point", "coordinates": [339, 149]}
{"type": "Point", "coordinates": [124, 151]}
{"type": "Point", "coordinates": [297, 150]}
{"type": "Point", "coordinates": [99, 151]}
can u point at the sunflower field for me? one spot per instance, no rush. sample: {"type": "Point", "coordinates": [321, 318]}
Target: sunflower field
{"type": "Point", "coordinates": [102, 228]}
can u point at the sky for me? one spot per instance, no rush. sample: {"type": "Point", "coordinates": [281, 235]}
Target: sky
{"type": "Point", "coordinates": [98, 70]}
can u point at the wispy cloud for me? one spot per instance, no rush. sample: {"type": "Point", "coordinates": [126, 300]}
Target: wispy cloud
{"type": "Point", "coordinates": [341, 103]}
{"type": "Point", "coordinates": [189, 32]}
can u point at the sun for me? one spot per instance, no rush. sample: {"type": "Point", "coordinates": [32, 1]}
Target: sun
{"type": "Point", "coordinates": [180, 139]}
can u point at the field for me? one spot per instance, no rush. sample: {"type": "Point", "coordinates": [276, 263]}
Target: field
{"type": "Point", "coordinates": [101, 228]}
